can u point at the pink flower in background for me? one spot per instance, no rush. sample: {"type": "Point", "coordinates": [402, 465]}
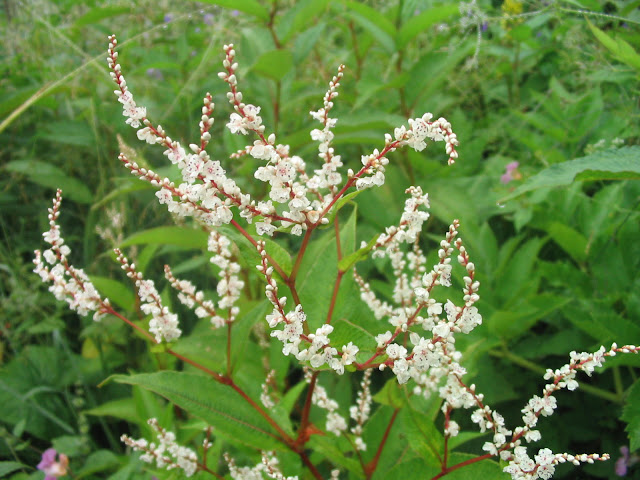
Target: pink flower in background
{"type": "Point", "coordinates": [511, 173]}
{"type": "Point", "coordinates": [625, 461]}
{"type": "Point", "coordinates": [53, 469]}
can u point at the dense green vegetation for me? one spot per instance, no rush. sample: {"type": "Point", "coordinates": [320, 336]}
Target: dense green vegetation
{"type": "Point", "coordinates": [552, 86]}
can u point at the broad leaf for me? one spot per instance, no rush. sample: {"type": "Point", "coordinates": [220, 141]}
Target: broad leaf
{"type": "Point", "coordinates": [620, 164]}
{"type": "Point", "coordinates": [422, 22]}
{"type": "Point", "coordinates": [48, 175]}
{"type": "Point", "coordinates": [218, 405]}
{"type": "Point", "coordinates": [251, 7]}
{"type": "Point", "coordinates": [181, 237]}
{"type": "Point", "coordinates": [274, 64]}
{"type": "Point", "coordinates": [631, 415]}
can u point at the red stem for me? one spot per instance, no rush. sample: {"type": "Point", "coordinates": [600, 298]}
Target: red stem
{"type": "Point", "coordinates": [303, 248]}
{"type": "Point", "coordinates": [272, 262]}
{"type": "Point", "coordinates": [334, 296]}
{"type": "Point", "coordinates": [370, 467]}
{"type": "Point", "coordinates": [462, 464]}
{"type": "Point", "coordinates": [303, 436]}
{"type": "Point", "coordinates": [229, 366]}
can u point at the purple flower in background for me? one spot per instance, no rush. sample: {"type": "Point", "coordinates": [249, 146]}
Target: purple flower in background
{"type": "Point", "coordinates": [625, 461]}
{"type": "Point", "coordinates": [235, 13]}
{"type": "Point", "coordinates": [511, 173]}
{"type": "Point", "coordinates": [155, 73]}
{"type": "Point", "coordinates": [208, 18]}
{"type": "Point", "coordinates": [167, 18]}
{"type": "Point", "coordinates": [485, 26]}
{"type": "Point", "coordinates": [53, 469]}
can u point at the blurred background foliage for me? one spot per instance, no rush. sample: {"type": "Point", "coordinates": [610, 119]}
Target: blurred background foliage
{"type": "Point", "coordinates": [549, 88]}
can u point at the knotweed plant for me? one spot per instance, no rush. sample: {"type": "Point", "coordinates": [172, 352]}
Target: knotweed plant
{"type": "Point", "coordinates": [415, 329]}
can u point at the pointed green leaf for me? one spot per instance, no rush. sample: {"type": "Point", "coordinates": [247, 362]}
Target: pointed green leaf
{"type": "Point", "coordinates": [217, 404]}
{"type": "Point", "coordinates": [349, 261]}
{"type": "Point", "coordinates": [623, 163]}
{"type": "Point", "coordinates": [422, 22]}
{"type": "Point", "coordinates": [620, 49]}
{"type": "Point", "coordinates": [374, 22]}
{"type": "Point", "coordinates": [182, 237]}
{"type": "Point", "coordinates": [117, 292]}
{"type": "Point", "coordinates": [274, 64]}
{"type": "Point", "coordinates": [251, 7]}
{"type": "Point", "coordinates": [8, 467]}
{"type": "Point", "coordinates": [48, 175]}
{"type": "Point", "coordinates": [631, 415]}
{"type": "Point", "coordinates": [96, 14]}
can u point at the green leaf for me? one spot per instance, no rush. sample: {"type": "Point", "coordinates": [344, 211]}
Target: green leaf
{"type": "Point", "coordinates": [123, 408]}
{"type": "Point", "coordinates": [571, 241]}
{"type": "Point", "coordinates": [98, 461]}
{"type": "Point", "coordinates": [433, 71]}
{"type": "Point", "coordinates": [374, 22]}
{"type": "Point", "coordinates": [274, 64]}
{"type": "Point", "coordinates": [410, 468]}
{"type": "Point", "coordinates": [623, 163]}
{"type": "Point", "coordinates": [485, 469]}
{"type": "Point", "coordinates": [182, 237]}
{"type": "Point", "coordinates": [422, 22]}
{"type": "Point", "coordinates": [251, 7]}
{"type": "Point", "coordinates": [349, 261]}
{"type": "Point", "coordinates": [392, 394]}
{"type": "Point", "coordinates": [249, 252]}
{"type": "Point", "coordinates": [8, 467]}
{"type": "Point", "coordinates": [620, 49]}
{"type": "Point", "coordinates": [50, 176]}
{"type": "Point", "coordinates": [117, 292]}
{"type": "Point", "coordinates": [71, 133]}
{"type": "Point", "coordinates": [332, 448]}
{"type": "Point", "coordinates": [305, 42]}
{"type": "Point", "coordinates": [302, 14]}
{"type": "Point", "coordinates": [96, 14]}
{"type": "Point", "coordinates": [126, 188]}
{"type": "Point", "coordinates": [341, 203]}
{"type": "Point", "coordinates": [218, 405]}
{"type": "Point", "coordinates": [510, 324]}
{"type": "Point", "coordinates": [631, 415]}
{"type": "Point", "coordinates": [319, 270]}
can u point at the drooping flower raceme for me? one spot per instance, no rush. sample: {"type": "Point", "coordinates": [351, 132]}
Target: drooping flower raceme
{"type": "Point", "coordinates": [166, 453]}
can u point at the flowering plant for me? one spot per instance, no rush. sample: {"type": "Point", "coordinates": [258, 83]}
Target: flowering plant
{"type": "Point", "coordinates": [411, 332]}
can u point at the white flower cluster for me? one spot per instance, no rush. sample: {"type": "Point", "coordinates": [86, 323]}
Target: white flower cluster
{"type": "Point", "coordinates": [336, 423]}
{"type": "Point", "coordinates": [328, 176]}
{"type": "Point", "coordinates": [163, 323]}
{"type": "Point", "coordinates": [134, 114]}
{"type": "Point", "coordinates": [229, 286]}
{"type": "Point", "coordinates": [269, 467]}
{"type": "Point", "coordinates": [281, 171]}
{"type": "Point", "coordinates": [67, 282]}
{"type": "Point", "coordinates": [190, 297]}
{"type": "Point", "coordinates": [435, 357]}
{"type": "Point", "coordinates": [508, 444]}
{"type": "Point", "coordinates": [318, 350]}
{"type": "Point", "coordinates": [209, 195]}
{"type": "Point", "coordinates": [265, 396]}
{"type": "Point", "coordinates": [166, 453]}
{"type": "Point", "coordinates": [361, 410]}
